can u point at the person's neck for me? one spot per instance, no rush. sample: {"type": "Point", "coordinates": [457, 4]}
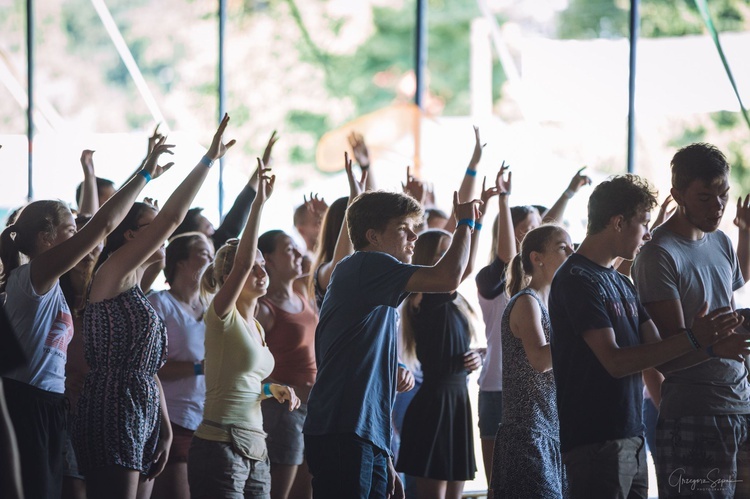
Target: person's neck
{"type": "Point", "coordinates": [185, 289]}
{"type": "Point", "coordinates": [681, 225]}
{"type": "Point", "coordinates": [540, 285]}
{"type": "Point", "coordinates": [280, 291]}
{"type": "Point", "coordinates": [598, 248]}
{"type": "Point", "coordinates": [246, 305]}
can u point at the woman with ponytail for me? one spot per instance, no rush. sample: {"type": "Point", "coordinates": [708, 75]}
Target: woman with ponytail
{"type": "Point", "coordinates": [122, 433]}
{"type": "Point", "coordinates": [527, 461]}
{"type": "Point", "coordinates": [36, 250]}
{"type": "Point", "coordinates": [228, 456]}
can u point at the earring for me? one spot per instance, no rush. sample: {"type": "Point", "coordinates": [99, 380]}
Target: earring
{"type": "Point", "coordinates": [541, 264]}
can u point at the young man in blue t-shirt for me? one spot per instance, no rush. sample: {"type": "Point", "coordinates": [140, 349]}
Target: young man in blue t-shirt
{"type": "Point", "coordinates": [602, 338]}
{"type": "Point", "coordinates": [348, 425]}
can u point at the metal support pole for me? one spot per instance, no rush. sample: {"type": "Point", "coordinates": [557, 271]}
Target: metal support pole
{"type": "Point", "coordinates": [634, 31]}
{"type": "Point", "coordinates": [419, 73]}
{"type": "Point", "coordinates": [222, 95]}
{"type": "Point", "coordinates": [30, 93]}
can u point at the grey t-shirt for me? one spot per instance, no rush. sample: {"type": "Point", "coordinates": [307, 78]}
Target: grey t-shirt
{"type": "Point", "coordinates": [672, 267]}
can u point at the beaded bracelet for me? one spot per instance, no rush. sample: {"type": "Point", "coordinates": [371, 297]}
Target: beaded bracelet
{"type": "Point", "coordinates": [692, 338]}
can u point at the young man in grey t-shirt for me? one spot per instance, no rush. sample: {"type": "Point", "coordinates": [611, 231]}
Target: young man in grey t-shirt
{"type": "Point", "coordinates": [702, 434]}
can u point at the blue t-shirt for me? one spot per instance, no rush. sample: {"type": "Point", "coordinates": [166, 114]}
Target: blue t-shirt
{"type": "Point", "coordinates": [356, 348]}
{"type": "Point", "coordinates": [592, 405]}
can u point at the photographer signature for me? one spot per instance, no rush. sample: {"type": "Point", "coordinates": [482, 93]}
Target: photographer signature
{"type": "Point", "coordinates": [676, 479]}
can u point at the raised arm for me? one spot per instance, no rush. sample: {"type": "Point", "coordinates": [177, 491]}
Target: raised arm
{"type": "Point", "coordinates": [343, 246]}
{"type": "Point", "coordinates": [47, 268]}
{"type": "Point", "coordinates": [742, 221]}
{"type": "Point", "coordinates": [233, 221]}
{"type": "Point", "coordinates": [153, 139]}
{"type": "Point", "coordinates": [114, 275]}
{"type": "Point", "coordinates": [227, 296]}
{"type": "Point", "coordinates": [555, 214]}
{"type": "Point", "coordinates": [487, 194]}
{"type": "Point", "coordinates": [466, 191]}
{"type": "Point", "coordinates": [89, 202]}
{"type": "Point", "coordinates": [446, 275]}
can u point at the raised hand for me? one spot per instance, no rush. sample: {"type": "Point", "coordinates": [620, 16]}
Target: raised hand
{"type": "Point", "coordinates": [487, 194]}
{"type": "Point", "coordinates": [265, 183]}
{"type": "Point", "coordinates": [468, 210]}
{"type": "Point", "coordinates": [356, 187]}
{"type": "Point", "coordinates": [269, 148]}
{"type": "Point", "coordinates": [87, 162]}
{"type": "Point", "coordinates": [742, 219]}
{"type": "Point", "coordinates": [502, 184]}
{"type": "Point", "coordinates": [151, 165]}
{"type": "Point", "coordinates": [664, 212]}
{"type": "Point", "coordinates": [478, 146]}
{"type": "Point", "coordinates": [152, 202]}
{"type": "Point", "coordinates": [153, 139]}
{"type": "Point", "coordinates": [414, 187]}
{"type": "Point", "coordinates": [359, 149]}
{"type": "Point", "coordinates": [315, 205]}
{"type": "Point", "coordinates": [404, 380]}
{"type": "Point", "coordinates": [218, 148]}
{"type": "Point", "coordinates": [712, 327]}
{"type": "Point", "coordinates": [578, 181]}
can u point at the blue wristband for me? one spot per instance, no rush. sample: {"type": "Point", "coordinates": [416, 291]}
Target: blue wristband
{"type": "Point", "coordinates": [207, 161]}
{"type": "Point", "coordinates": [267, 390]}
{"type": "Point", "coordinates": [145, 174]}
{"type": "Point", "coordinates": [198, 368]}
{"type": "Point", "coordinates": [471, 173]}
{"type": "Point", "coordinates": [477, 226]}
{"type": "Point", "coordinates": [402, 365]}
{"type": "Point", "coordinates": [466, 221]}
{"type": "Point", "coordinates": [710, 351]}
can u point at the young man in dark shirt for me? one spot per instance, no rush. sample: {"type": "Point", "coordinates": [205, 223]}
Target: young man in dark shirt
{"type": "Point", "coordinates": [602, 338]}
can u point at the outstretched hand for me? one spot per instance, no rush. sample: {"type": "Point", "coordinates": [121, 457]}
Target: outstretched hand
{"type": "Point", "coordinates": [578, 181]}
{"type": "Point", "coordinates": [267, 160]}
{"type": "Point", "coordinates": [414, 187]}
{"type": "Point", "coordinates": [502, 184]}
{"type": "Point", "coordinates": [315, 205]}
{"type": "Point", "coordinates": [265, 182]}
{"type": "Point", "coordinates": [153, 139]}
{"type": "Point", "coordinates": [359, 149]}
{"type": "Point", "coordinates": [151, 163]}
{"type": "Point", "coordinates": [478, 146]}
{"type": "Point", "coordinates": [742, 219]}
{"type": "Point", "coordinates": [218, 148]}
{"type": "Point", "coordinates": [87, 162]}
{"type": "Point", "coordinates": [487, 194]}
{"type": "Point", "coordinates": [468, 210]}
{"type": "Point", "coordinates": [356, 187]}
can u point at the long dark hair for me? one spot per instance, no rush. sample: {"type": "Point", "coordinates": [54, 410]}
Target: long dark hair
{"type": "Point", "coordinates": [520, 269]}
{"type": "Point", "coordinates": [329, 234]}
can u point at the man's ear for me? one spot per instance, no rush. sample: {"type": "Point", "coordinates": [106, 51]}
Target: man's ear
{"type": "Point", "coordinates": [677, 196]}
{"type": "Point", "coordinates": [372, 236]}
{"type": "Point", "coordinates": [617, 222]}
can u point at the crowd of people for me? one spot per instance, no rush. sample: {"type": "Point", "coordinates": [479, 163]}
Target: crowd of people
{"type": "Point", "coordinates": [270, 370]}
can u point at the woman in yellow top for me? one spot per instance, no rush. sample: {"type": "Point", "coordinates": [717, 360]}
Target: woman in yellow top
{"type": "Point", "coordinates": [228, 456]}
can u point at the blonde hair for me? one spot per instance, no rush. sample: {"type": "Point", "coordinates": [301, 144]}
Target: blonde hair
{"type": "Point", "coordinates": [217, 271]}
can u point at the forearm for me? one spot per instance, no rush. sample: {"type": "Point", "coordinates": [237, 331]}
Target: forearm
{"type": "Point", "coordinates": [556, 212]}
{"type": "Point", "coordinates": [474, 245]}
{"type": "Point", "coordinates": [450, 268]}
{"type": "Point", "coordinates": [683, 362]}
{"type": "Point", "coordinates": [249, 241]}
{"type": "Point", "coordinates": [177, 369]}
{"type": "Point", "coordinates": [109, 216]}
{"type": "Point", "coordinates": [176, 207]}
{"type": "Point", "coordinates": [231, 226]}
{"type": "Point", "coordinates": [743, 253]}
{"type": "Point", "coordinates": [633, 360]}
{"type": "Point", "coordinates": [89, 201]}
{"type": "Point", "coordinates": [506, 237]}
